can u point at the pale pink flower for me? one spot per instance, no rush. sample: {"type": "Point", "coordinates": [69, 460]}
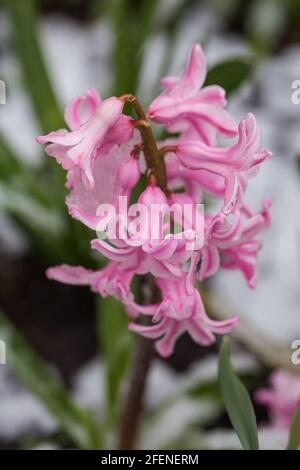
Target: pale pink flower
{"type": "Point", "coordinates": [150, 250]}
{"type": "Point", "coordinates": [194, 182]}
{"type": "Point", "coordinates": [234, 164]}
{"type": "Point", "coordinates": [109, 281]}
{"type": "Point", "coordinates": [115, 175]}
{"type": "Point", "coordinates": [183, 105]}
{"type": "Point", "coordinates": [232, 243]}
{"type": "Point", "coordinates": [103, 156]}
{"type": "Point", "coordinates": [81, 109]}
{"type": "Point", "coordinates": [281, 398]}
{"type": "Point", "coordinates": [177, 314]}
{"type": "Point", "coordinates": [90, 132]}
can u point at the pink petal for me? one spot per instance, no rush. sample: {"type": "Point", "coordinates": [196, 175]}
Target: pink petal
{"type": "Point", "coordinates": [165, 346]}
{"type": "Point", "coordinates": [81, 109]}
{"type": "Point", "coordinates": [195, 70]}
{"type": "Point", "coordinates": [115, 254]}
{"type": "Point", "coordinates": [76, 275]}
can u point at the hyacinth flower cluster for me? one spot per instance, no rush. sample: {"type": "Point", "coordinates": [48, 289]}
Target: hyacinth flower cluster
{"type": "Point", "coordinates": [106, 153]}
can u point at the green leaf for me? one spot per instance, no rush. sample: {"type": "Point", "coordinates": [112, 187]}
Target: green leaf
{"type": "Point", "coordinates": [9, 163]}
{"type": "Point", "coordinates": [48, 185]}
{"type": "Point", "coordinates": [75, 421]}
{"type": "Point", "coordinates": [230, 74]}
{"type": "Point", "coordinates": [45, 226]}
{"type": "Point", "coordinates": [294, 438]}
{"type": "Point", "coordinates": [20, 175]}
{"type": "Point", "coordinates": [132, 23]}
{"type": "Point", "coordinates": [25, 37]}
{"type": "Point", "coordinates": [116, 344]}
{"type": "Point", "coordinates": [24, 31]}
{"type": "Point", "coordinates": [25, 194]}
{"type": "Point", "coordinates": [237, 401]}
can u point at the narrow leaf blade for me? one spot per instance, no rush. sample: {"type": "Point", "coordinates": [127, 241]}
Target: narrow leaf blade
{"type": "Point", "coordinates": [294, 438]}
{"type": "Point", "coordinates": [116, 343]}
{"type": "Point", "coordinates": [237, 401]}
{"type": "Point", "coordinates": [25, 37]}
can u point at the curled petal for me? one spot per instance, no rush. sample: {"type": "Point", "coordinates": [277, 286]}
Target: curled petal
{"type": "Point", "coordinates": [200, 334]}
{"type": "Point", "coordinates": [213, 94]}
{"type": "Point", "coordinates": [151, 332]}
{"type": "Point", "coordinates": [183, 107]}
{"type": "Point", "coordinates": [75, 275]}
{"type": "Point", "coordinates": [163, 250]}
{"type": "Point", "coordinates": [85, 217]}
{"type": "Point", "coordinates": [165, 346]}
{"type": "Point", "coordinates": [195, 70]}
{"type": "Point", "coordinates": [115, 254]}
{"type": "Point", "coordinates": [81, 145]}
{"type": "Point", "coordinates": [81, 109]}
{"type": "Point", "coordinates": [210, 262]}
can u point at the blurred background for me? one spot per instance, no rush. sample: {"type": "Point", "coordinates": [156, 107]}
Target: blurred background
{"type": "Point", "coordinates": [52, 51]}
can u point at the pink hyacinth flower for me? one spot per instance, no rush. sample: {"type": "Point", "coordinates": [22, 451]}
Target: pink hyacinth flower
{"type": "Point", "coordinates": [282, 398]}
{"type": "Point", "coordinates": [232, 244]}
{"type": "Point", "coordinates": [109, 281]}
{"type": "Point", "coordinates": [179, 313]}
{"type": "Point", "coordinates": [91, 129]}
{"type": "Point", "coordinates": [234, 164]}
{"type": "Point", "coordinates": [115, 174]}
{"type": "Point", "coordinates": [166, 236]}
{"type": "Point", "coordinates": [151, 250]}
{"type": "Point", "coordinates": [183, 105]}
{"type": "Point", "coordinates": [194, 182]}
{"type": "Point", "coordinates": [80, 110]}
